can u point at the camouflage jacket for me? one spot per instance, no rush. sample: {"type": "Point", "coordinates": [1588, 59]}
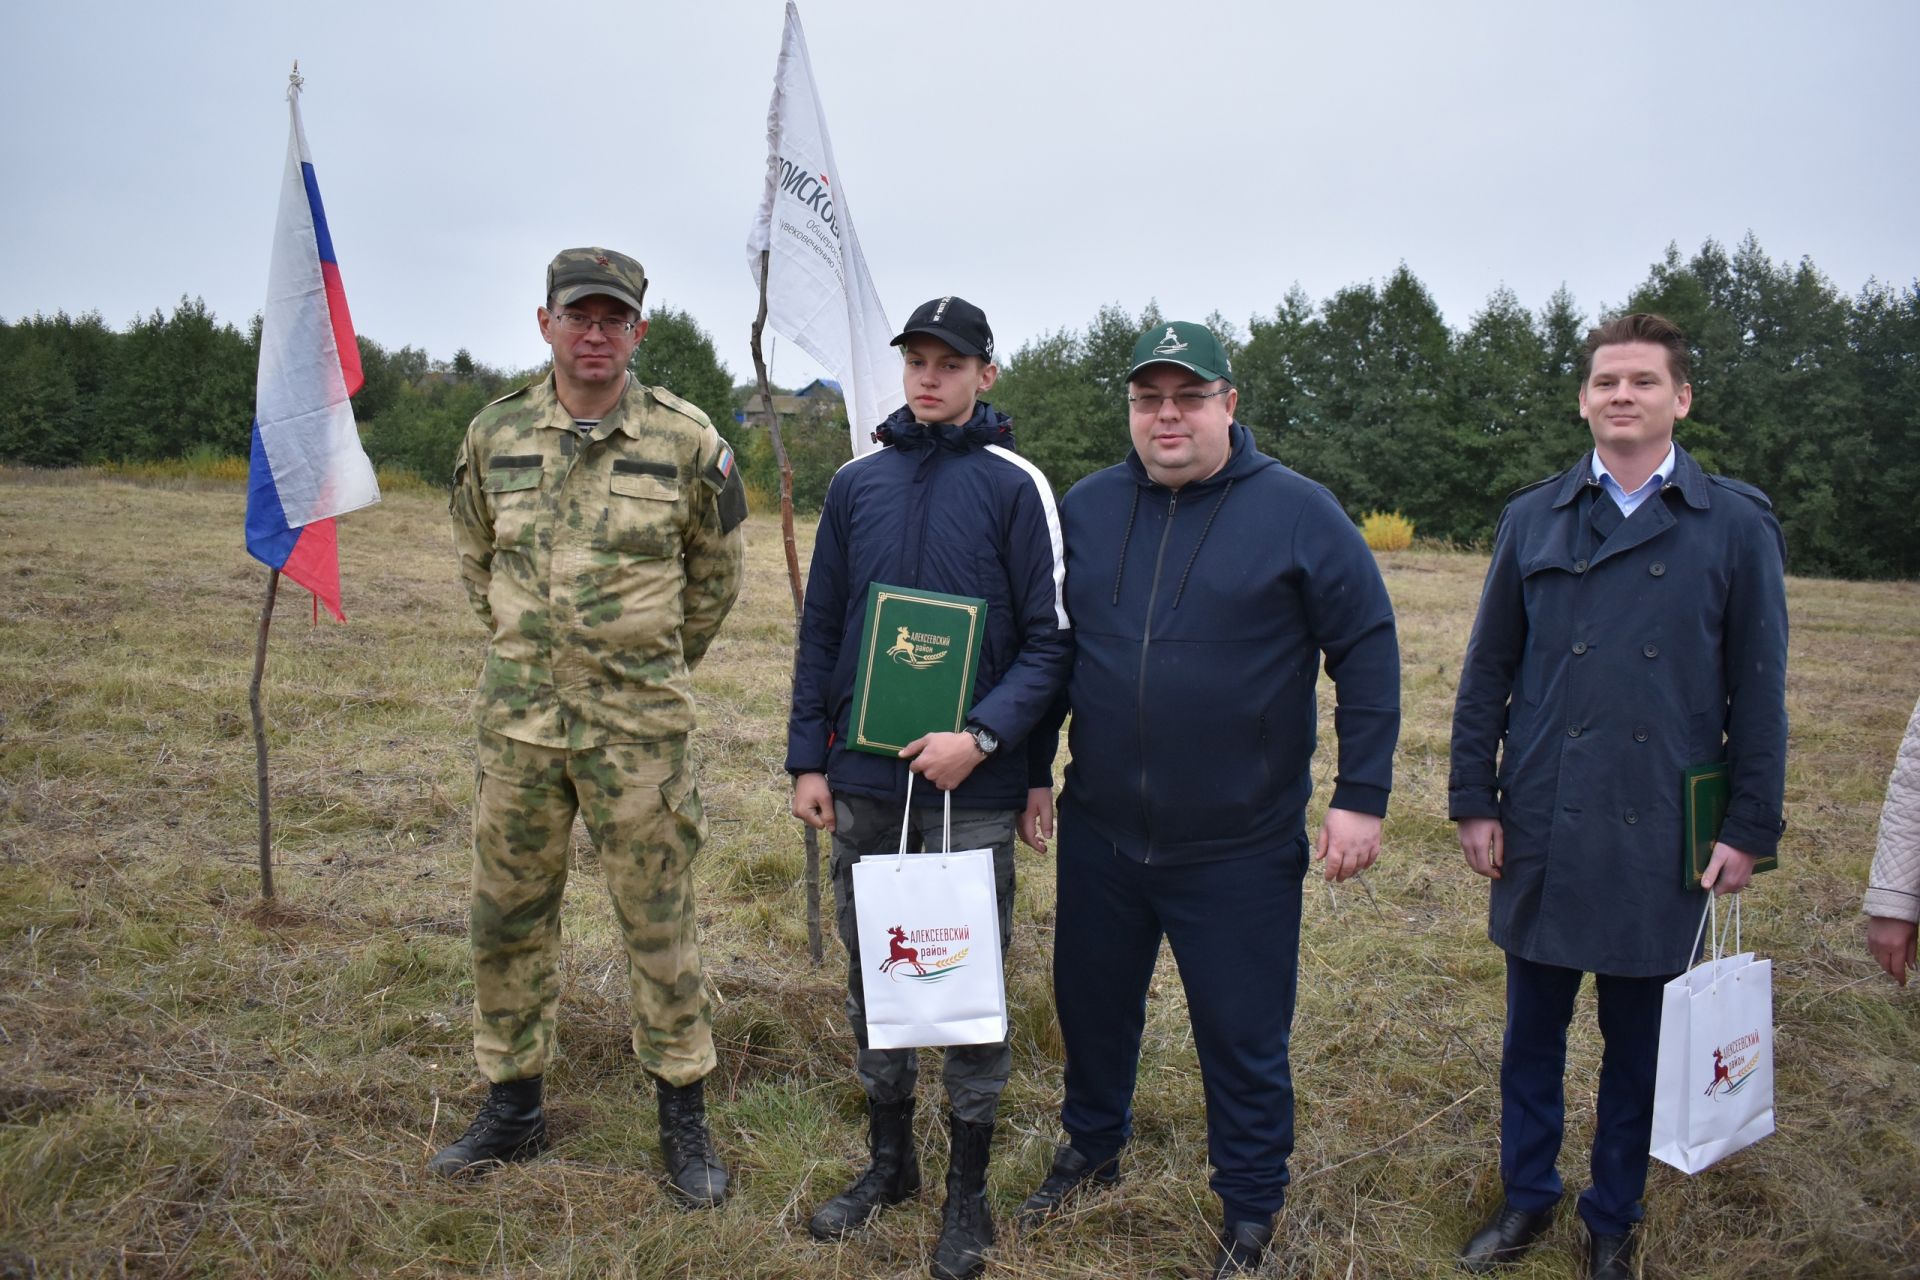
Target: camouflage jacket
{"type": "Point", "coordinates": [602, 564]}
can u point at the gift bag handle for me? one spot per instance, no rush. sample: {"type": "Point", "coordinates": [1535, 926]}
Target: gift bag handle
{"type": "Point", "coordinates": [1718, 934]}
{"type": "Point", "coordinates": [946, 828]}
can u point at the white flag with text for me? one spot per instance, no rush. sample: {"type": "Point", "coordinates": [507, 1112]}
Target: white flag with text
{"type": "Point", "coordinates": [818, 293]}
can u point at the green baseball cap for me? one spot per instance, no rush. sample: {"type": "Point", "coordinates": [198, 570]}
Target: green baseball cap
{"type": "Point", "coordinates": [1189, 345]}
{"type": "Point", "coordinates": [580, 273]}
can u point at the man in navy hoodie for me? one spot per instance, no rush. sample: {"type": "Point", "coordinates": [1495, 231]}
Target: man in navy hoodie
{"type": "Point", "coordinates": [946, 506]}
{"type": "Point", "coordinates": [1206, 583]}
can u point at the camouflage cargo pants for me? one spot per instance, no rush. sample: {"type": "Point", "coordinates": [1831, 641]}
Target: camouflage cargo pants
{"type": "Point", "coordinates": [974, 1074]}
{"type": "Point", "coordinates": [642, 809]}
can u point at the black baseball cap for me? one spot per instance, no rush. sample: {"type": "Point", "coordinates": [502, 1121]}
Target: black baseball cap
{"type": "Point", "coordinates": [954, 321]}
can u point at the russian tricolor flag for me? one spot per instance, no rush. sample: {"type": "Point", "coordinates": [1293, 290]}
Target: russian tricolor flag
{"type": "Point", "coordinates": [308, 466]}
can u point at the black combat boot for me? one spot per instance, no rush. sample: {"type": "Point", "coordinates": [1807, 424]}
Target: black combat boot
{"type": "Point", "coordinates": [892, 1175]}
{"type": "Point", "coordinates": [694, 1173]}
{"type": "Point", "coordinates": [966, 1224]}
{"type": "Point", "coordinates": [510, 1126]}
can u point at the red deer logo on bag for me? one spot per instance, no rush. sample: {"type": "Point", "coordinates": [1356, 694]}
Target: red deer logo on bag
{"type": "Point", "coordinates": [1720, 1075]}
{"type": "Point", "coordinates": [902, 953]}
{"type": "Point", "coordinates": [1733, 1064]}
{"type": "Point", "coordinates": [941, 960]}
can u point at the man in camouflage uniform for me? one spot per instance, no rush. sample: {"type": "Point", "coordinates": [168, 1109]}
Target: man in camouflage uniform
{"type": "Point", "coordinates": [598, 525]}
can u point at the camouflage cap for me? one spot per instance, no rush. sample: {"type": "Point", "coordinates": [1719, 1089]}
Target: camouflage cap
{"type": "Point", "coordinates": [579, 273]}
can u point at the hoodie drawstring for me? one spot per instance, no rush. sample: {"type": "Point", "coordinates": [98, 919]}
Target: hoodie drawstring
{"type": "Point", "coordinates": [1203, 537]}
{"type": "Point", "coordinates": [1121, 567]}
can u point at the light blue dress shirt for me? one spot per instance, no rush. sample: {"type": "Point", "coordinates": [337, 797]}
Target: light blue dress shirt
{"type": "Point", "coordinates": [1628, 501]}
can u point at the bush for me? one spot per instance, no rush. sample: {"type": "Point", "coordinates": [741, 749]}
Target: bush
{"type": "Point", "coordinates": [816, 449]}
{"type": "Point", "coordinates": [421, 428]}
{"type": "Point", "coordinates": [203, 462]}
{"type": "Point", "coordinates": [1386, 530]}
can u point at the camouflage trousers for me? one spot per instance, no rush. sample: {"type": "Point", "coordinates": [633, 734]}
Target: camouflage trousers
{"type": "Point", "coordinates": [974, 1074]}
{"type": "Point", "coordinates": [642, 809]}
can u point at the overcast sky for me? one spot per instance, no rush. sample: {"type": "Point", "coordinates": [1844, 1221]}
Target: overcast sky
{"type": "Point", "coordinates": [1040, 159]}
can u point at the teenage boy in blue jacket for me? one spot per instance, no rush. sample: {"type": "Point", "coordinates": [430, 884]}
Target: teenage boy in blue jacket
{"type": "Point", "coordinates": [946, 506]}
{"type": "Point", "coordinates": [1206, 583]}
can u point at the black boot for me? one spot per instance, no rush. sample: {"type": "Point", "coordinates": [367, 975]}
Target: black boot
{"type": "Point", "coordinates": [1072, 1173]}
{"type": "Point", "coordinates": [966, 1224]}
{"type": "Point", "coordinates": [510, 1126]}
{"type": "Point", "coordinates": [1243, 1246]}
{"type": "Point", "coordinates": [1503, 1238]}
{"type": "Point", "coordinates": [694, 1173]}
{"type": "Point", "coordinates": [892, 1175]}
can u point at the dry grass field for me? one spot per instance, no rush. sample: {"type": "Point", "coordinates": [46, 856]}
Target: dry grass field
{"type": "Point", "coordinates": [192, 1085]}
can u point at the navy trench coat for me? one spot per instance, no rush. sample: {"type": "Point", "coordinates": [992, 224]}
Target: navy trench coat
{"type": "Point", "coordinates": [1608, 654]}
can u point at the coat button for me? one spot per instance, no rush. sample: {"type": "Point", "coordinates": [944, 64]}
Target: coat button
{"type": "Point", "coordinates": [1573, 731]}
{"type": "Point", "coordinates": [1652, 651]}
{"type": "Point", "coordinates": [1656, 568]}
{"type": "Point", "coordinates": [1639, 733]}
{"type": "Point", "coordinates": [1579, 566]}
{"type": "Point", "coordinates": [1579, 646]}
{"type": "Point", "coordinates": [1632, 816]}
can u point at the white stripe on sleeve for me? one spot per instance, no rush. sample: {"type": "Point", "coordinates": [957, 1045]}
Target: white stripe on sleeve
{"type": "Point", "coordinates": [1057, 548]}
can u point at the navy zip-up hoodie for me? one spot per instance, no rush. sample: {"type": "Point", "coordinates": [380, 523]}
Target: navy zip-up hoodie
{"type": "Point", "coordinates": [948, 508]}
{"type": "Point", "coordinates": [1200, 619]}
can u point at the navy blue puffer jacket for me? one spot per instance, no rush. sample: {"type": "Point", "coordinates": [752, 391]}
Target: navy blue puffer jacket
{"type": "Point", "coordinates": [942, 507]}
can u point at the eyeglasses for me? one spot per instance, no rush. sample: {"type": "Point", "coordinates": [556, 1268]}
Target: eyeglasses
{"type": "Point", "coordinates": [1186, 401]}
{"type": "Point", "coordinates": [574, 322]}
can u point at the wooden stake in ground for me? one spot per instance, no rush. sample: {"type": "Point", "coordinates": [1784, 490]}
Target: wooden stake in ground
{"type": "Point", "coordinates": [816, 946]}
{"type": "Point", "coordinates": [260, 739]}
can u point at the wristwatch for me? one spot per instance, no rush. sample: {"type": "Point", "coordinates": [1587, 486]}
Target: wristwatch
{"type": "Point", "coordinates": [983, 738]}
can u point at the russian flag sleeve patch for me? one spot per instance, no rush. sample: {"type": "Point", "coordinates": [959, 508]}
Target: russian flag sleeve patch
{"type": "Point", "coordinates": [724, 478]}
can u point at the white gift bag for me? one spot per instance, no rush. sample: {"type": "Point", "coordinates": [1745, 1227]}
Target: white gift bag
{"type": "Point", "coordinates": [929, 931]}
{"type": "Point", "coordinates": [1713, 1088]}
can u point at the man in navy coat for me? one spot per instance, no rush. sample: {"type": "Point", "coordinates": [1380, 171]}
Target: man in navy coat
{"type": "Point", "coordinates": [1634, 623]}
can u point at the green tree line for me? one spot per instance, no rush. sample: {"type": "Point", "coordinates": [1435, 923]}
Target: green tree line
{"type": "Point", "coordinates": [75, 392]}
{"type": "Point", "coordinates": [1809, 393]}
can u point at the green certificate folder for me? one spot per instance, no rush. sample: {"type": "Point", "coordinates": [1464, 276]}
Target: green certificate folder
{"type": "Point", "coordinates": [918, 654]}
{"type": "Point", "coordinates": [1704, 789]}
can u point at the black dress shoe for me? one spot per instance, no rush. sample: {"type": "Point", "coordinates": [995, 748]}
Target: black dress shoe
{"type": "Point", "coordinates": [1243, 1246]}
{"type": "Point", "coordinates": [1610, 1257]}
{"type": "Point", "coordinates": [1504, 1237]}
{"type": "Point", "coordinates": [1072, 1173]}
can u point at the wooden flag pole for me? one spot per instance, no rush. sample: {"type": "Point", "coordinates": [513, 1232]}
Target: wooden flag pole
{"type": "Point", "coordinates": [260, 739]}
{"type": "Point", "coordinates": [816, 946]}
